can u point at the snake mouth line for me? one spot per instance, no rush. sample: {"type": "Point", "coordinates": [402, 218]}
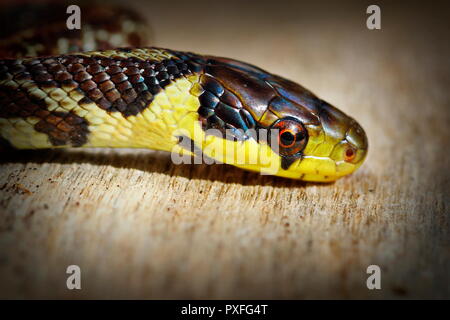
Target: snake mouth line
{"type": "Point", "coordinates": [213, 148]}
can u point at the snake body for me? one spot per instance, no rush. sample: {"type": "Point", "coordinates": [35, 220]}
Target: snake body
{"type": "Point", "coordinates": [148, 97]}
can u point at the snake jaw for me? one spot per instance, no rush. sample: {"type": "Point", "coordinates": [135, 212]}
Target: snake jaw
{"type": "Point", "coordinates": [337, 147]}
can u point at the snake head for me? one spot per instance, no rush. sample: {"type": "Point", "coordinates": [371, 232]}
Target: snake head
{"type": "Point", "coordinates": [307, 138]}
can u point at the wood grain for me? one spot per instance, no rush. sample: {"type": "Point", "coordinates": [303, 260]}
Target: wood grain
{"type": "Point", "coordinates": [141, 227]}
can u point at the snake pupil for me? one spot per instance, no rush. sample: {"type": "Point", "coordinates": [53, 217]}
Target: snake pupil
{"type": "Point", "coordinates": [291, 137]}
{"type": "Point", "coordinates": [287, 139]}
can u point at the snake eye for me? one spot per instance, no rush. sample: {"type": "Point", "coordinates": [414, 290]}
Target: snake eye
{"type": "Point", "coordinates": [292, 136]}
{"type": "Point", "coordinates": [287, 138]}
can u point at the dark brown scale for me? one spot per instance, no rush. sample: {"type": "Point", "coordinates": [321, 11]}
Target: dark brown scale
{"type": "Point", "coordinates": [148, 72]}
{"type": "Point", "coordinates": [41, 113]}
{"type": "Point", "coordinates": [124, 86]}
{"type": "Point", "coordinates": [101, 77]}
{"type": "Point", "coordinates": [120, 105]}
{"type": "Point", "coordinates": [104, 103]}
{"type": "Point", "coordinates": [112, 95]}
{"type": "Point", "coordinates": [144, 65]}
{"type": "Point", "coordinates": [119, 77]}
{"type": "Point", "coordinates": [132, 71]}
{"type": "Point", "coordinates": [63, 76]}
{"type": "Point", "coordinates": [55, 68]}
{"type": "Point", "coordinates": [230, 99]}
{"type": "Point", "coordinates": [27, 63]}
{"type": "Point", "coordinates": [89, 61]}
{"type": "Point", "coordinates": [64, 128]}
{"type": "Point", "coordinates": [135, 79]}
{"type": "Point", "coordinates": [94, 68]}
{"type": "Point", "coordinates": [48, 61]}
{"type": "Point", "coordinates": [53, 119]}
{"type": "Point", "coordinates": [88, 85]}
{"type": "Point", "coordinates": [37, 68]}
{"type": "Point", "coordinates": [48, 84]}
{"type": "Point", "coordinates": [74, 68]}
{"type": "Point", "coordinates": [129, 96]}
{"type": "Point", "coordinates": [10, 100]}
{"type": "Point", "coordinates": [107, 63]}
{"type": "Point", "coordinates": [248, 119]}
{"type": "Point", "coordinates": [22, 76]}
{"type": "Point", "coordinates": [126, 63]}
{"type": "Point", "coordinates": [69, 84]}
{"type": "Point", "coordinates": [43, 77]}
{"type": "Point", "coordinates": [85, 100]}
{"type": "Point", "coordinates": [106, 86]}
{"type": "Point", "coordinates": [113, 69]}
{"type": "Point", "coordinates": [95, 94]}
{"type": "Point", "coordinates": [69, 60]}
{"type": "Point", "coordinates": [82, 76]}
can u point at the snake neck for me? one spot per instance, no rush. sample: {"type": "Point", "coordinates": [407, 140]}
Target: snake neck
{"type": "Point", "coordinates": [156, 127]}
{"type": "Point", "coordinates": [128, 98]}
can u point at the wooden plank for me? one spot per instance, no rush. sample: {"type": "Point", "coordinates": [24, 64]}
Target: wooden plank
{"type": "Point", "coordinates": [141, 227]}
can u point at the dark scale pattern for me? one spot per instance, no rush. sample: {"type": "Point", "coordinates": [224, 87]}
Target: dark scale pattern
{"type": "Point", "coordinates": [116, 84]}
{"type": "Point", "coordinates": [64, 128]}
{"type": "Point", "coordinates": [236, 93]}
{"type": "Point", "coordinates": [48, 22]}
{"type": "Point", "coordinates": [121, 85]}
{"type": "Point", "coordinates": [221, 109]}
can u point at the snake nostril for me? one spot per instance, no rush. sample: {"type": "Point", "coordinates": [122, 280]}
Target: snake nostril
{"type": "Point", "coordinates": [350, 154]}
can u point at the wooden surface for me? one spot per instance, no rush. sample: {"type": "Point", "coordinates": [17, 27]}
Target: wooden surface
{"type": "Point", "coordinates": [141, 227]}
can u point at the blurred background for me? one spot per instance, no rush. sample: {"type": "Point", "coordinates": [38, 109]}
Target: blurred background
{"type": "Point", "coordinates": [140, 227]}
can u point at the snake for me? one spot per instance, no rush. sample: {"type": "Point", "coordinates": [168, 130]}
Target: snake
{"type": "Point", "coordinates": [102, 87]}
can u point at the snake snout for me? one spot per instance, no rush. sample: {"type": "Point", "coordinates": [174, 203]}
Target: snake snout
{"type": "Point", "coordinates": [358, 146]}
{"type": "Point", "coordinates": [346, 138]}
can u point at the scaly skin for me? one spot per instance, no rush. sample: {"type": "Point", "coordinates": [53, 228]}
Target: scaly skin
{"type": "Point", "coordinates": [39, 29]}
{"type": "Point", "coordinates": [155, 98]}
